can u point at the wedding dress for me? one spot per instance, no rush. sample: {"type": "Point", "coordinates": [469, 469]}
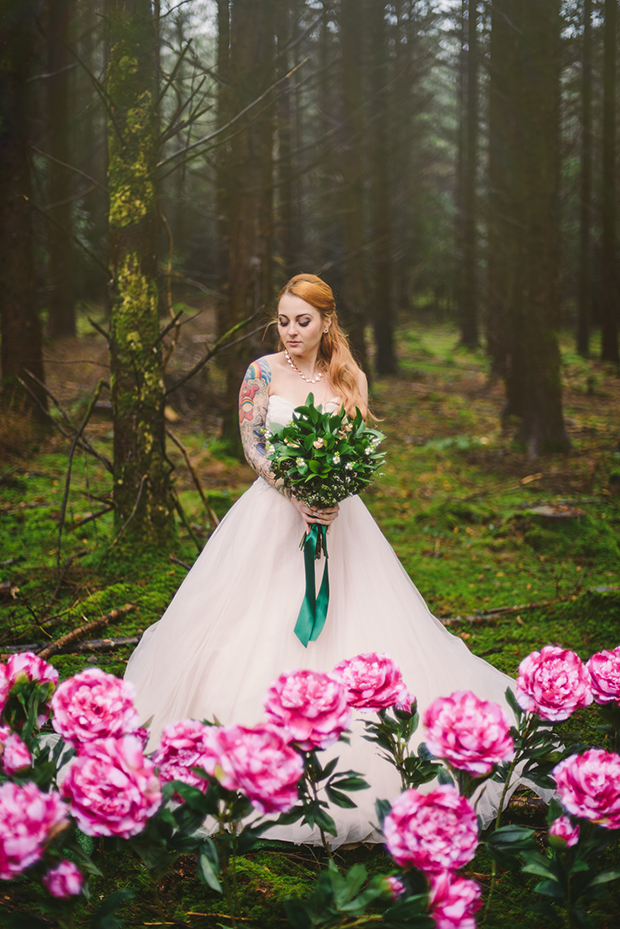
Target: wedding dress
{"type": "Point", "coordinates": [228, 633]}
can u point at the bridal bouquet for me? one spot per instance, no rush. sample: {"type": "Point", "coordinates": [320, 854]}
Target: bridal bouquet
{"type": "Point", "coordinates": [322, 458]}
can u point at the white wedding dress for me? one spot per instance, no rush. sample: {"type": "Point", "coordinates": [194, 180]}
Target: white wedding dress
{"type": "Point", "coordinates": [228, 634]}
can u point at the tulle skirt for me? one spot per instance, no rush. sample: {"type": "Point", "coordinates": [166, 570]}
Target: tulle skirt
{"type": "Point", "coordinates": [228, 634]}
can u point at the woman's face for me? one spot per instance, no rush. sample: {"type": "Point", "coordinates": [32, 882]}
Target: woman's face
{"type": "Point", "coordinates": [300, 326]}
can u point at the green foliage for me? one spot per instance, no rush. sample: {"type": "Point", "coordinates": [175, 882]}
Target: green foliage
{"type": "Point", "coordinates": [324, 457]}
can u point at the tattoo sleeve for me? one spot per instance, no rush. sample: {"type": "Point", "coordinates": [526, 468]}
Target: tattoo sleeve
{"type": "Point", "coordinates": [253, 401]}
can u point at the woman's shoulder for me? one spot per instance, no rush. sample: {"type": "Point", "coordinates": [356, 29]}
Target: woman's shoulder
{"type": "Point", "coordinates": [262, 368]}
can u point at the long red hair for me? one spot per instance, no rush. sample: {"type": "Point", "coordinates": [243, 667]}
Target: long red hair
{"type": "Point", "coordinates": [334, 357]}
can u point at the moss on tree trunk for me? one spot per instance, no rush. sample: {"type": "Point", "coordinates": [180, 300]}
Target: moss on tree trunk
{"type": "Point", "coordinates": [142, 489]}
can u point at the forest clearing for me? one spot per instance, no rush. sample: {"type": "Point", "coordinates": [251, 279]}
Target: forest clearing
{"type": "Point", "coordinates": [221, 222]}
{"type": "Point", "coordinates": [512, 559]}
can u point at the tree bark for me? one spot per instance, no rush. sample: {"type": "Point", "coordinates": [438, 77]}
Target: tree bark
{"type": "Point", "coordinates": [251, 189]}
{"type": "Point", "coordinates": [468, 289]}
{"type": "Point", "coordinates": [60, 179]}
{"type": "Point", "coordinates": [584, 306]}
{"type": "Point", "coordinates": [354, 287]}
{"type": "Point", "coordinates": [142, 492]}
{"type": "Point", "coordinates": [383, 307]}
{"type": "Point", "coordinates": [525, 222]}
{"type": "Point", "coordinates": [222, 178]}
{"type": "Point", "coordinates": [287, 232]}
{"type": "Point", "coordinates": [20, 326]}
{"type": "Point", "coordinates": [609, 294]}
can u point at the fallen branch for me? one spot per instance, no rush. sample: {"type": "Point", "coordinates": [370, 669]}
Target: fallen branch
{"type": "Point", "coordinates": [81, 631]}
{"type": "Point", "coordinates": [487, 616]}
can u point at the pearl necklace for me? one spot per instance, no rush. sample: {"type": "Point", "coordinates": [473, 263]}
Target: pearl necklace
{"type": "Point", "coordinates": [297, 371]}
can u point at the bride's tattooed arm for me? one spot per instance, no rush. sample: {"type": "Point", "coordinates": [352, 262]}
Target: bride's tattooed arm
{"type": "Point", "coordinates": [253, 401]}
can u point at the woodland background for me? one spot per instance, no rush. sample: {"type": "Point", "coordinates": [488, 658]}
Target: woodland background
{"type": "Point", "coordinates": [450, 169]}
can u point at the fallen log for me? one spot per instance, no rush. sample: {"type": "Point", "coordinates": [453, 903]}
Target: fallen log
{"type": "Point", "coordinates": [81, 631]}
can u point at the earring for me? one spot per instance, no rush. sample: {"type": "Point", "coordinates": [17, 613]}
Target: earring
{"type": "Point", "coordinates": [326, 331]}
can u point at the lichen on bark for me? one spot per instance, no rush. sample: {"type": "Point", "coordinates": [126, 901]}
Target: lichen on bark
{"type": "Point", "coordinates": [142, 487]}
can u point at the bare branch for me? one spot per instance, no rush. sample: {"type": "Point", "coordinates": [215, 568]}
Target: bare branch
{"type": "Point", "coordinates": [234, 120]}
{"type": "Point", "coordinates": [220, 346]}
{"type": "Point", "coordinates": [195, 479]}
{"type": "Point", "coordinates": [76, 439]}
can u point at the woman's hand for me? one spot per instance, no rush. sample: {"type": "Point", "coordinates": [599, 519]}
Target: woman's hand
{"type": "Point", "coordinates": [324, 516]}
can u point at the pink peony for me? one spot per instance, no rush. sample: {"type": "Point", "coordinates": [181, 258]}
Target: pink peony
{"type": "Point", "coordinates": [26, 667]}
{"type": "Point", "coordinates": [29, 818]}
{"type": "Point", "coordinates": [373, 682]}
{"type": "Point", "coordinates": [395, 887]}
{"type": "Point", "coordinates": [434, 831]}
{"type": "Point", "coordinates": [311, 705]}
{"type": "Point", "coordinates": [111, 787]}
{"type": "Point", "coordinates": [182, 748]}
{"type": "Point", "coordinates": [14, 753]}
{"type": "Point", "coordinates": [454, 901]}
{"type": "Point", "coordinates": [604, 671]}
{"type": "Point", "coordinates": [471, 734]}
{"type": "Point", "coordinates": [553, 683]}
{"type": "Point", "coordinates": [589, 786]}
{"type": "Point", "coordinates": [65, 880]}
{"type": "Point", "coordinates": [94, 705]}
{"type": "Point", "coordinates": [258, 762]}
{"type": "Point", "coordinates": [562, 833]}
{"type": "Point", "coordinates": [4, 686]}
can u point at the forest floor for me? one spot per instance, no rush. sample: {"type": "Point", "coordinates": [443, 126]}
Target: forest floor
{"type": "Point", "coordinates": [512, 554]}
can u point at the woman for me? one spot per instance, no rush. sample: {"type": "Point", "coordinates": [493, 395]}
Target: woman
{"type": "Point", "coordinates": [229, 630]}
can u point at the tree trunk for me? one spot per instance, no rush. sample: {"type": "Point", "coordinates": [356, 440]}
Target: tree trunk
{"type": "Point", "coordinates": [354, 289]}
{"type": "Point", "coordinates": [222, 178]}
{"type": "Point", "coordinates": [142, 492]}
{"type": "Point", "coordinates": [251, 166]}
{"type": "Point", "coordinates": [383, 307]}
{"type": "Point", "coordinates": [528, 175]}
{"type": "Point", "coordinates": [469, 252]}
{"type": "Point", "coordinates": [609, 295]}
{"type": "Point", "coordinates": [287, 227]}
{"type": "Point", "coordinates": [60, 179]}
{"type": "Point", "coordinates": [584, 306]}
{"type": "Point", "coordinates": [501, 258]}
{"type": "Point", "coordinates": [19, 319]}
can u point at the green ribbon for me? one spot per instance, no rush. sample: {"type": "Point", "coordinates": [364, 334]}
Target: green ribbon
{"type": "Point", "coordinates": [313, 610]}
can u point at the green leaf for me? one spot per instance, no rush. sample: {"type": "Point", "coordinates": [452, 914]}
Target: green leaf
{"type": "Point", "coordinates": [208, 866]}
{"type": "Point", "coordinates": [605, 877]}
{"type": "Point", "coordinates": [541, 870]}
{"type": "Point", "coordinates": [382, 807]}
{"type": "Point", "coordinates": [339, 799]}
{"type": "Point", "coordinates": [550, 889]}
{"type": "Point", "coordinates": [350, 782]}
{"type": "Point", "coordinates": [511, 700]}
{"type": "Point", "coordinates": [325, 822]}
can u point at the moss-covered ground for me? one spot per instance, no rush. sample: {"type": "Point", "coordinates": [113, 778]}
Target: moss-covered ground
{"type": "Point", "coordinates": [477, 525]}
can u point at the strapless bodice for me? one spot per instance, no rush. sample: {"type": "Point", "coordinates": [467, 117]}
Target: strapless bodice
{"type": "Point", "coordinates": [280, 410]}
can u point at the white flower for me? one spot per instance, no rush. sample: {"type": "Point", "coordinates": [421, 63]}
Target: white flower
{"type": "Point", "coordinates": [299, 462]}
{"type": "Point", "coordinates": [367, 451]}
{"type": "Point", "coordinates": [349, 466]}
{"type": "Point", "coordinates": [319, 443]}
{"type": "Point", "coordinates": [336, 459]}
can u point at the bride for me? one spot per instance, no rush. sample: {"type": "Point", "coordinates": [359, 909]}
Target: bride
{"type": "Point", "coordinates": [229, 632]}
